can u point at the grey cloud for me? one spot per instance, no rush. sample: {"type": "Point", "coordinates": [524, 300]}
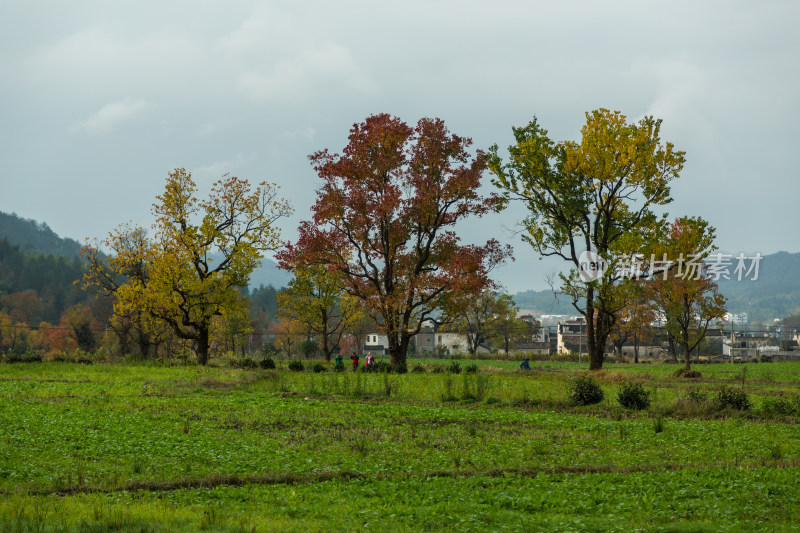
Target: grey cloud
{"type": "Point", "coordinates": [116, 95]}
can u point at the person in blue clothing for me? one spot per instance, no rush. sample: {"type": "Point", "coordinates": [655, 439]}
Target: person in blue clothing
{"type": "Point", "coordinates": [525, 364]}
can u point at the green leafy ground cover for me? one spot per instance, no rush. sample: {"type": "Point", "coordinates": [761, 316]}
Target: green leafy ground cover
{"type": "Point", "coordinates": [142, 447]}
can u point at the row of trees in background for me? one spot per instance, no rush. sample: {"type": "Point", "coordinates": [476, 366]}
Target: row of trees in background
{"type": "Point", "coordinates": [381, 248]}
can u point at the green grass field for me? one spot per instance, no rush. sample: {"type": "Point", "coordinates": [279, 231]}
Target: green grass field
{"type": "Point", "coordinates": [138, 447]}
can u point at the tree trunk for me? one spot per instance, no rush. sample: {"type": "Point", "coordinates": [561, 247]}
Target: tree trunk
{"type": "Point", "coordinates": [595, 349]}
{"type": "Point", "coordinates": [687, 355]}
{"type": "Point", "coordinates": [397, 354]}
{"type": "Point", "coordinates": [618, 344]}
{"type": "Point", "coordinates": [327, 349]}
{"type": "Point", "coordinates": [672, 350]}
{"type": "Point", "coordinates": [202, 345]}
{"type": "Point", "coordinates": [144, 345]}
{"type": "Point", "coordinates": [397, 351]}
{"type": "Point", "coordinates": [636, 349]}
{"type": "Point", "coordinates": [472, 344]}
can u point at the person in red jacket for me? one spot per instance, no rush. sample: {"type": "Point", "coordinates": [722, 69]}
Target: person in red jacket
{"type": "Point", "coordinates": [354, 358]}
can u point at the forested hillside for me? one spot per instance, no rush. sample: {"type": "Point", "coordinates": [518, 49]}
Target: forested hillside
{"type": "Point", "coordinates": [42, 305]}
{"type": "Point", "coordinates": [775, 294]}
{"type": "Point", "coordinates": [38, 286]}
{"type": "Point", "coordinates": [36, 236]}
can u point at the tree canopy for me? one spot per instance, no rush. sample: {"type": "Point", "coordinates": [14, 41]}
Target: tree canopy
{"type": "Point", "coordinates": [592, 198]}
{"type": "Point", "coordinates": [201, 252]}
{"type": "Point", "coordinates": [385, 217]}
{"type": "Point", "coordinates": [684, 294]}
{"type": "Point", "coordinates": [317, 299]}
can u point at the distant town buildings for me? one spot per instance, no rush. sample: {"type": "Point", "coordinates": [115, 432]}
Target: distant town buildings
{"type": "Point", "coordinates": [563, 334]}
{"type": "Point", "coordinates": [738, 319]}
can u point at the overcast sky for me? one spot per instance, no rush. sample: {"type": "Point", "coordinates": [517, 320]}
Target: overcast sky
{"type": "Point", "coordinates": [99, 100]}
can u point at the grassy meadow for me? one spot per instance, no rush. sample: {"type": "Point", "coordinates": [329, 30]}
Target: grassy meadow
{"type": "Point", "coordinates": [148, 447]}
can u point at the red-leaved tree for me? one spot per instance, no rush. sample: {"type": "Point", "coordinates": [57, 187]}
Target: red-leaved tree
{"type": "Point", "coordinates": [385, 219]}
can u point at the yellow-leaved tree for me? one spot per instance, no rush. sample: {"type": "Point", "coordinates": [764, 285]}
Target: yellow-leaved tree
{"type": "Point", "coordinates": [316, 297]}
{"type": "Point", "coordinates": [200, 253]}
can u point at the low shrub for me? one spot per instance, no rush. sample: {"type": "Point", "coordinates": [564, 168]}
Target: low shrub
{"type": "Point", "coordinates": [695, 395]}
{"type": "Point", "coordinates": [244, 362]}
{"type": "Point", "coordinates": [21, 357]}
{"type": "Point", "coordinates": [454, 368]}
{"type": "Point", "coordinates": [780, 406]}
{"type": "Point", "coordinates": [585, 391]}
{"type": "Point", "coordinates": [381, 366]}
{"type": "Point", "coordinates": [471, 369]}
{"type": "Point", "coordinates": [633, 396]}
{"type": "Point", "coordinates": [418, 369]}
{"type": "Point", "coordinates": [684, 373]}
{"type": "Point", "coordinates": [319, 367]}
{"type": "Point", "coordinates": [296, 366]}
{"type": "Point", "coordinates": [268, 363]}
{"type": "Point", "coordinates": [733, 398]}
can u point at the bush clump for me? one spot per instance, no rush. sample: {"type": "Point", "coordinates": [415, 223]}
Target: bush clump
{"type": "Point", "coordinates": [381, 366]}
{"type": "Point", "coordinates": [633, 396]}
{"type": "Point", "coordinates": [21, 357]}
{"type": "Point", "coordinates": [454, 368]}
{"type": "Point", "coordinates": [684, 373]}
{"type": "Point", "coordinates": [268, 363]}
{"type": "Point", "coordinates": [471, 369]}
{"type": "Point", "coordinates": [319, 367]}
{"type": "Point", "coordinates": [585, 391]}
{"type": "Point", "coordinates": [418, 369]}
{"type": "Point", "coordinates": [780, 406]}
{"type": "Point", "coordinates": [695, 395]}
{"type": "Point", "coordinates": [296, 366]}
{"type": "Point", "coordinates": [244, 363]}
{"type": "Point", "coordinates": [733, 398]}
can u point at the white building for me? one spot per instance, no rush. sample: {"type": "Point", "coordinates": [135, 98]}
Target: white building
{"type": "Point", "coordinates": [739, 319]}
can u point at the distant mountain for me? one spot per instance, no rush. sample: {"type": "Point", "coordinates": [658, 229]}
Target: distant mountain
{"type": "Point", "coordinates": [36, 236]}
{"type": "Point", "coordinates": [545, 302]}
{"type": "Point", "coordinates": [269, 274]}
{"type": "Point", "coordinates": [775, 294]}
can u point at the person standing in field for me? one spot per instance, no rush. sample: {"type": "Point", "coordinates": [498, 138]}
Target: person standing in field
{"type": "Point", "coordinates": [338, 362]}
{"type": "Point", "coordinates": [354, 358]}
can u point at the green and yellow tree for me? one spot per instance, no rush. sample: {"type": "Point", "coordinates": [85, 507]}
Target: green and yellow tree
{"type": "Point", "coordinates": [588, 198]}
{"type": "Point", "coordinates": [684, 294]}
{"type": "Point", "coordinates": [490, 316]}
{"type": "Point", "coordinates": [316, 297]}
{"type": "Point", "coordinates": [200, 253]}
